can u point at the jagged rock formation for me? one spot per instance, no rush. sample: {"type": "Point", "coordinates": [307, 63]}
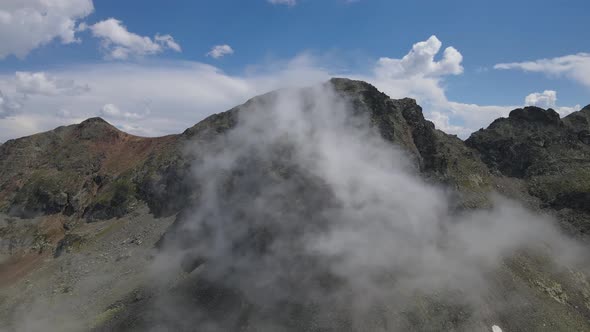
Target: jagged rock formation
{"type": "Point", "coordinates": [57, 187]}
{"type": "Point", "coordinates": [552, 156]}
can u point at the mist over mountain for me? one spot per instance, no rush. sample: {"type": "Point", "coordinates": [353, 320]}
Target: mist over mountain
{"type": "Point", "coordinates": [326, 208]}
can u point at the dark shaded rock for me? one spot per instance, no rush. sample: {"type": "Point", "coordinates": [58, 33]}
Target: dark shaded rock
{"type": "Point", "coordinates": [386, 114]}
{"type": "Point", "coordinates": [213, 125]}
{"type": "Point", "coordinates": [69, 242]}
{"type": "Point", "coordinates": [41, 195]}
{"type": "Point", "coordinates": [114, 202]}
{"type": "Point", "coordinates": [531, 141]}
{"type": "Point", "coordinates": [97, 129]}
{"type": "Point", "coordinates": [572, 200]}
{"type": "Point", "coordinates": [167, 192]}
{"type": "Point", "coordinates": [535, 114]}
{"type": "Point", "coordinates": [579, 121]}
{"type": "Point", "coordinates": [551, 155]}
{"type": "Point", "coordinates": [584, 136]}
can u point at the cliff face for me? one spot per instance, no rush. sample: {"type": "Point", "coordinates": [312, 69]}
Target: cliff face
{"type": "Point", "coordinates": [91, 193]}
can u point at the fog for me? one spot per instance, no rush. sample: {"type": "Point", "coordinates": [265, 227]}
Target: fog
{"type": "Point", "coordinates": [308, 220]}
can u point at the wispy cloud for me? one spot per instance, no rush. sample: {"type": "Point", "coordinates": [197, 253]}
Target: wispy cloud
{"type": "Point", "coordinates": [283, 2]}
{"type": "Point", "coordinates": [575, 67]}
{"type": "Point", "coordinates": [39, 83]}
{"type": "Point", "coordinates": [219, 51]}
{"type": "Point", "coordinates": [119, 43]}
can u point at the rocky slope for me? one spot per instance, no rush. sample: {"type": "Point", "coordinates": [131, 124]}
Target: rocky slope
{"type": "Point", "coordinates": [550, 154]}
{"type": "Point", "coordinates": [89, 201]}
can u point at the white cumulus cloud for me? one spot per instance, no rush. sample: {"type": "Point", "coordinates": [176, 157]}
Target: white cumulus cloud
{"type": "Point", "coordinates": [119, 43]}
{"type": "Point", "coordinates": [548, 99]}
{"type": "Point", "coordinates": [219, 51]}
{"type": "Point", "coordinates": [420, 76]}
{"type": "Point", "coordinates": [417, 74]}
{"type": "Point", "coordinates": [419, 62]}
{"type": "Point", "coordinates": [545, 99]}
{"type": "Point", "coordinates": [28, 24]}
{"type": "Point", "coordinates": [575, 67]}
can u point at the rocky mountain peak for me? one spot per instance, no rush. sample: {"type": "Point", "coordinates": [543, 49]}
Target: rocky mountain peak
{"type": "Point", "coordinates": [535, 114]}
{"type": "Point", "coordinates": [579, 121]}
{"type": "Point", "coordinates": [95, 121]}
{"type": "Point", "coordinates": [97, 129]}
{"type": "Point", "coordinates": [348, 85]}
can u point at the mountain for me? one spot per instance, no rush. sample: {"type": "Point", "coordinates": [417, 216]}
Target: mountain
{"type": "Point", "coordinates": [274, 216]}
{"type": "Point", "coordinates": [552, 156]}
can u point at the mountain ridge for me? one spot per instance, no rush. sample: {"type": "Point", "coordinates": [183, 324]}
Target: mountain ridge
{"type": "Point", "coordinates": [91, 185]}
{"type": "Point", "coordinates": [437, 154]}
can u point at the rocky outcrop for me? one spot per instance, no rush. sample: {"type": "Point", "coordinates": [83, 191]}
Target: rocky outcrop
{"type": "Point", "coordinates": [523, 144]}
{"type": "Point", "coordinates": [440, 157]}
{"type": "Point", "coordinates": [550, 154]}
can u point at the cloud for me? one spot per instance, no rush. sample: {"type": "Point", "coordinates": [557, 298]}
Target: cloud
{"type": "Point", "coordinates": [26, 25]}
{"type": "Point", "coordinates": [113, 112]}
{"type": "Point", "coordinates": [120, 44]}
{"type": "Point", "coordinates": [548, 99]}
{"type": "Point", "coordinates": [419, 62]}
{"type": "Point", "coordinates": [566, 110]}
{"type": "Point", "coordinates": [419, 76]}
{"type": "Point", "coordinates": [24, 87]}
{"type": "Point", "coordinates": [443, 122]}
{"type": "Point", "coordinates": [164, 97]}
{"type": "Point", "coordinates": [168, 41]}
{"type": "Point", "coordinates": [27, 86]}
{"type": "Point", "coordinates": [575, 67]}
{"type": "Point", "coordinates": [545, 99]}
{"type": "Point", "coordinates": [219, 51]}
{"type": "Point", "coordinates": [8, 105]}
{"type": "Point", "coordinates": [29, 83]}
{"type": "Point", "coordinates": [283, 2]}
{"type": "Point", "coordinates": [152, 99]}
{"type": "Point", "coordinates": [471, 117]}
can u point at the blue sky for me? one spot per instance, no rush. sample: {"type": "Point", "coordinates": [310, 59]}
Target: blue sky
{"type": "Point", "coordinates": [272, 44]}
